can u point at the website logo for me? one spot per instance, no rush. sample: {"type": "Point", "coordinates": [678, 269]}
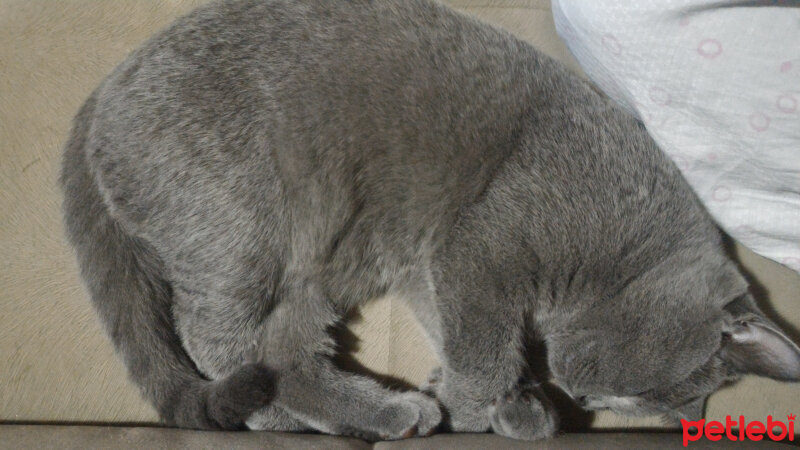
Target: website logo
{"type": "Point", "coordinates": [755, 430]}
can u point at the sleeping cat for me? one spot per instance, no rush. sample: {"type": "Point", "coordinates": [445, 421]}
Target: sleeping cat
{"type": "Point", "coordinates": [262, 167]}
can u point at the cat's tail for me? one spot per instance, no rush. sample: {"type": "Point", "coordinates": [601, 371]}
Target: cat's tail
{"type": "Point", "coordinates": [123, 277]}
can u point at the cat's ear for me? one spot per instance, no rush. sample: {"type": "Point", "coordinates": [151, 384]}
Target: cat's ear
{"type": "Point", "coordinates": [753, 344]}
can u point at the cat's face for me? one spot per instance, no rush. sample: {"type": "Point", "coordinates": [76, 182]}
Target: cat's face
{"type": "Point", "coordinates": [681, 400]}
{"type": "Point", "coordinates": [666, 342]}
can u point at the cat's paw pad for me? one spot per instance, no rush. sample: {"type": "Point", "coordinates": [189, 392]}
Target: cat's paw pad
{"type": "Point", "coordinates": [407, 415]}
{"type": "Point", "coordinates": [523, 414]}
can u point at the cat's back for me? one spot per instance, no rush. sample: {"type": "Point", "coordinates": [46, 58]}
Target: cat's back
{"type": "Point", "coordinates": [276, 91]}
{"type": "Point", "coordinates": [289, 59]}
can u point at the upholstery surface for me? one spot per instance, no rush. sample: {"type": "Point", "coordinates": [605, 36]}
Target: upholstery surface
{"type": "Point", "coordinates": [57, 365]}
{"type": "Point", "coordinates": [122, 438]}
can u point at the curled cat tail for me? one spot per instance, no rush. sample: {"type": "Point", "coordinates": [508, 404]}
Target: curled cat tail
{"type": "Point", "coordinates": [122, 274]}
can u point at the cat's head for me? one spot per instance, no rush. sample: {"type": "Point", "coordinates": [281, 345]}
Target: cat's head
{"type": "Point", "coordinates": [668, 339]}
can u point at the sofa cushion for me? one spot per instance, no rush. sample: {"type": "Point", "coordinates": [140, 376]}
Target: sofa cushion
{"type": "Point", "coordinates": [122, 438]}
{"type": "Point", "coordinates": [83, 437]}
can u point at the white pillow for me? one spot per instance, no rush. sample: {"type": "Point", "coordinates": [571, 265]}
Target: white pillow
{"type": "Point", "coordinates": [718, 86]}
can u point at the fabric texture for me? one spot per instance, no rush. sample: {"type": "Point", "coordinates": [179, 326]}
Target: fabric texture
{"type": "Point", "coordinates": [718, 86]}
{"type": "Point", "coordinates": [123, 438]}
{"type": "Point", "coordinates": [57, 363]}
{"type": "Point", "coordinates": [153, 438]}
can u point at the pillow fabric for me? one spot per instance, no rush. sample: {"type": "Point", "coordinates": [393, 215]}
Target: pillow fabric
{"type": "Point", "coordinates": [718, 86]}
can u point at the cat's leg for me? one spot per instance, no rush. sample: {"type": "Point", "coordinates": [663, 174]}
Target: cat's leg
{"type": "Point", "coordinates": [274, 418]}
{"type": "Point", "coordinates": [296, 344]}
{"type": "Point", "coordinates": [477, 400]}
{"type": "Point", "coordinates": [522, 413]}
{"type": "Point", "coordinates": [220, 338]}
{"type": "Point", "coordinates": [480, 383]}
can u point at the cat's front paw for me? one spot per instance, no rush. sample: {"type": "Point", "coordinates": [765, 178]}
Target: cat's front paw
{"type": "Point", "coordinates": [525, 414]}
{"type": "Point", "coordinates": [407, 415]}
{"type": "Point", "coordinates": [462, 415]}
{"type": "Point", "coordinates": [432, 383]}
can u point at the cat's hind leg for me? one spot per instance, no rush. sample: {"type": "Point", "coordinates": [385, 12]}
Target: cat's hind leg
{"type": "Point", "coordinates": [297, 345]}
{"type": "Point", "coordinates": [221, 338]}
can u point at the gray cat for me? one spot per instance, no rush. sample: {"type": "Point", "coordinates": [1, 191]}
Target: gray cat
{"type": "Point", "coordinates": [263, 166]}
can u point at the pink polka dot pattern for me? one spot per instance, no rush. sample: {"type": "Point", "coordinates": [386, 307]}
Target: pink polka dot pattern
{"type": "Point", "coordinates": [786, 103]}
{"type": "Point", "coordinates": [650, 115]}
{"type": "Point", "coordinates": [721, 194]}
{"type": "Point", "coordinates": [709, 48]}
{"type": "Point", "coordinates": [682, 162]}
{"type": "Point", "coordinates": [794, 263]}
{"type": "Point", "coordinates": [659, 96]}
{"type": "Point", "coordinates": [759, 122]}
{"type": "Point", "coordinates": [719, 97]}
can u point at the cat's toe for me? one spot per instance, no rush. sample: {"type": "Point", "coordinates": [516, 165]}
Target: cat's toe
{"type": "Point", "coordinates": [523, 415]}
{"type": "Point", "coordinates": [432, 383]}
{"type": "Point", "coordinates": [430, 413]}
{"type": "Point", "coordinates": [409, 414]}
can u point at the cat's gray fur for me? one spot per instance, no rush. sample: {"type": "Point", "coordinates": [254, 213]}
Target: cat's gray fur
{"type": "Point", "coordinates": [263, 166]}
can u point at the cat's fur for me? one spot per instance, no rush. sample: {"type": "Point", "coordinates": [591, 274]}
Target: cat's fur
{"type": "Point", "coordinates": [263, 166]}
